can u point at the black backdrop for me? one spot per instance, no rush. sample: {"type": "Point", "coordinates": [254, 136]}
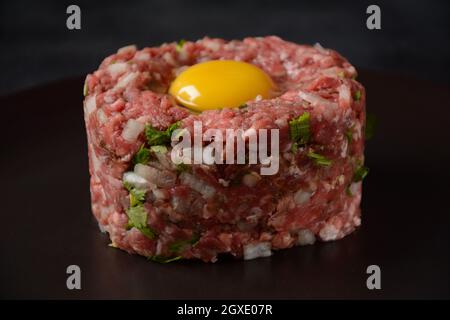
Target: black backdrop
{"type": "Point", "coordinates": [37, 47]}
{"type": "Point", "coordinates": [405, 208]}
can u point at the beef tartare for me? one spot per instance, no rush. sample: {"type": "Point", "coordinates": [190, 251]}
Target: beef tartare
{"type": "Point", "coordinates": [165, 211]}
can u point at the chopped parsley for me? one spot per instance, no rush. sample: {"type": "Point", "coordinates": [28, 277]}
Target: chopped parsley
{"type": "Point", "coordinates": [142, 156]}
{"type": "Point", "coordinates": [357, 95]}
{"type": "Point", "coordinates": [177, 246]}
{"type": "Point", "coordinates": [371, 124]}
{"type": "Point", "coordinates": [182, 167]}
{"type": "Point", "coordinates": [348, 191]}
{"type": "Point", "coordinates": [349, 134]}
{"type": "Point", "coordinates": [299, 130]}
{"type": "Point", "coordinates": [85, 89]}
{"type": "Point", "coordinates": [137, 215]}
{"type": "Point", "coordinates": [360, 173]}
{"type": "Point", "coordinates": [162, 259]}
{"type": "Point", "coordinates": [319, 159]}
{"type": "Point", "coordinates": [243, 106]}
{"type": "Point", "coordinates": [157, 137]}
{"type": "Point", "coordinates": [180, 45]}
{"type": "Point", "coordinates": [159, 149]}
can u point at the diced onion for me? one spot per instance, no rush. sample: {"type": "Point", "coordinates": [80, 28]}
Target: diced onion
{"type": "Point", "coordinates": [136, 180]}
{"type": "Point", "coordinates": [302, 196]}
{"type": "Point", "coordinates": [212, 45]}
{"type": "Point", "coordinates": [345, 96]}
{"type": "Point", "coordinates": [161, 178]}
{"type": "Point", "coordinates": [319, 47]}
{"type": "Point", "coordinates": [117, 69]}
{"type": "Point", "coordinates": [132, 130]}
{"type": "Point", "coordinates": [90, 104]}
{"type": "Point", "coordinates": [101, 116]}
{"type": "Point", "coordinates": [198, 185]}
{"type": "Point", "coordinates": [257, 250]}
{"type": "Point", "coordinates": [251, 179]}
{"type": "Point", "coordinates": [305, 237]}
{"type": "Point", "coordinates": [125, 80]}
{"type": "Point", "coordinates": [316, 100]}
{"type": "Point", "coordinates": [130, 48]}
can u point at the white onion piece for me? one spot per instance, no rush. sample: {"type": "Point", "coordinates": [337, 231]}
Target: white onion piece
{"type": "Point", "coordinates": [90, 104]}
{"type": "Point", "coordinates": [101, 116]}
{"type": "Point", "coordinates": [257, 250]}
{"type": "Point", "coordinates": [132, 130]}
{"type": "Point", "coordinates": [142, 56]}
{"type": "Point", "coordinates": [212, 45]}
{"type": "Point", "coordinates": [319, 47]}
{"type": "Point", "coordinates": [198, 185]}
{"type": "Point", "coordinates": [161, 178]}
{"type": "Point", "coordinates": [301, 196]}
{"type": "Point", "coordinates": [102, 228]}
{"type": "Point", "coordinates": [125, 80]}
{"type": "Point", "coordinates": [354, 188]}
{"type": "Point", "coordinates": [251, 179]}
{"type": "Point", "coordinates": [136, 180]}
{"type": "Point", "coordinates": [117, 69]}
{"type": "Point", "coordinates": [130, 48]}
{"type": "Point", "coordinates": [345, 96]}
{"type": "Point", "coordinates": [316, 100]}
{"type": "Point", "coordinates": [169, 59]}
{"type": "Point", "coordinates": [305, 237]}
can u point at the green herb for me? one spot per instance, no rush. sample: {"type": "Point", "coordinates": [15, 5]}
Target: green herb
{"type": "Point", "coordinates": [360, 173]}
{"type": "Point", "coordinates": [370, 127]}
{"type": "Point", "coordinates": [157, 137]}
{"type": "Point", "coordinates": [243, 106]}
{"type": "Point", "coordinates": [159, 149]}
{"type": "Point", "coordinates": [172, 128]}
{"type": "Point", "coordinates": [299, 129]}
{"type": "Point", "coordinates": [138, 219]}
{"type": "Point", "coordinates": [177, 246]}
{"type": "Point", "coordinates": [294, 147]}
{"type": "Point", "coordinates": [349, 135]}
{"type": "Point", "coordinates": [85, 89]}
{"type": "Point", "coordinates": [149, 233]}
{"type": "Point", "coordinates": [138, 216]}
{"type": "Point", "coordinates": [319, 159]}
{"type": "Point", "coordinates": [162, 259]}
{"type": "Point", "coordinates": [180, 45]}
{"type": "Point", "coordinates": [142, 156]}
{"type": "Point", "coordinates": [137, 196]}
{"type": "Point", "coordinates": [357, 95]}
{"type": "Point", "coordinates": [341, 74]}
{"type": "Point", "coordinates": [348, 191]}
{"type": "Point", "coordinates": [182, 167]}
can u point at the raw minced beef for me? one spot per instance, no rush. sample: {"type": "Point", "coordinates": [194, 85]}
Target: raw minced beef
{"type": "Point", "coordinates": [200, 211]}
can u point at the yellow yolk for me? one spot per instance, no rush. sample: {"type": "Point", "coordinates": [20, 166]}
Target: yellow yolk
{"type": "Point", "coordinates": [219, 84]}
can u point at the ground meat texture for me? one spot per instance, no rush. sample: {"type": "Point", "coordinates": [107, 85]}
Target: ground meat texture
{"type": "Point", "coordinates": [205, 210]}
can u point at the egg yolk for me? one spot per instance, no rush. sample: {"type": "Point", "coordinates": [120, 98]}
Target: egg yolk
{"type": "Point", "coordinates": [219, 84]}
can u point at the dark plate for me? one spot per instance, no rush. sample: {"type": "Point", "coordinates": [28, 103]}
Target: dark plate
{"type": "Point", "coordinates": [47, 223]}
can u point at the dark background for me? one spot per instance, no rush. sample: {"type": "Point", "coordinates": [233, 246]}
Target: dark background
{"type": "Point", "coordinates": [45, 209]}
{"type": "Point", "coordinates": [37, 47]}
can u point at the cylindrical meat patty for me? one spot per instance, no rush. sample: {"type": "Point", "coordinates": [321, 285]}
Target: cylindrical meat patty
{"type": "Point", "coordinates": [166, 211]}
